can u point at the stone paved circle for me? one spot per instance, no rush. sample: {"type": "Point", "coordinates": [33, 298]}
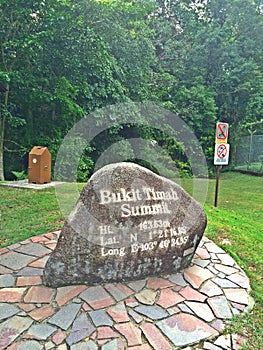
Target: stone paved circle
{"type": "Point", "coordinates": [187, 310]}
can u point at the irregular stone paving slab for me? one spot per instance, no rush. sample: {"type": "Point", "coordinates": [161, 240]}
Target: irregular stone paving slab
{"type": "Point", "coordinates": [140, 347]}
{"type": "Point", "coordinates": [130, 332]}
{"type": "Point", "coordinates": [201, 310]}
{"type": "Point", "coordinates": [185, 309]}
{"type": "Point", "coordinates": [65, 316]}
{"type": "Point", "coordinates": [118, 291]}
{"type": "Point", "coordinates": [191, 294]}
{"type": "Point", "coordinates": [4, 250]}
{"type": "Point", "coordinates": [228, 270]}
{"type": "Point", "coordinates": [202, 263]}
{"type": "Point", "coordinates": [178, 280]}
{"type": "Point", "coordinates": [58, 337]}
{"type": "Point", "coordinates": [106, 333]}
{"type": "Point", "coordinates": [173, 310]}
{"type": "Point", "coordinates": [34, 249]}
{"type": "Point", "coordinates": [220, 307]}
{"type": "Point", "coordinates": [211, 289]}
{"type": "Point", "coordinates": [7, 280]}
{"type": "Point", "coordinates": [97, 297]}
{"type": "Point", "coordinates": [26, 345]}
{"type": "Point", "coordinates": [26, 307]}
{"type": "Point", "coordinates": [39, 294]}
{"type": "Point", "coordinates": [137, 285]}
{"type": "Point", "coordinates": [237, 294]}
{"type": "Point", "coordinates": [100, 318]}
{"type": "Point", "coordinates": [209, 346]}
{"type": "Point", "coordinates": [158, 283]}
{"type": "Point", "coordinates": [137, 318]}
{"type": "Point", "coordinates": [30, 271]}
{"type": "Point", "coordinates": [146, 296]}
{"type": "Point", "coordinates": [37, 239]}
{"type": "Point", "coordinates": [238, 306]}
{"type": "Point", "coordinates": [213, 248]}
{"type": "Point", "coordinates": [196, 275]}
{"type": "Point", "coordinates": [40, 263]}
{"type": "Point", "coordinates": [185, 329]}
{"type": "Point", "coordinates": [118, 313]}
{"type": "Point", "coordinates": [218, 325]}
{"type": "Point", "coordinates": [63, 347]}
{"type": "Point", "coordinates": [131, 302]}
{"type": "Point", "coordinates": [14, 246]}
{"type": "Point", "coordinates": [40, 314]}
{"type": "Point", "coordinates": [82, 322]}
{"type": "Point", "coordinates": [202, 253]}
{"type": "Point", "coordinates": [12, 295]}
{"type": "Point", "coordinates": [15, 261]}
{"type": "Point", "coordinates": [49, 345]}
{"type": "Point", "coordinates": [40, 331]}
{"type": "Point", "coordinates": [7, 311]}
{"type": "Point", "coordinates": [153, 313]}
{"type": "Point", "coordinates": [90, 345]}
{"type": "Point", "coordinates": [23, 281]}
{"type": "Point", "coordinates": [224, 341]}
{"type": "Point", "coordinates": [240, 280]}
{"type": "Point", "coordinates": [224, 283]}
{"type": "Point", "coordinates": [169, 298]}
{"type": "Point", "coordinates": [77, 336]}
{"type": "Point", "coordinates": [226, 259]}
{"type": "Point", "coordinates": [4, 270]}
{"type": "Point", "coordinates": [155, 337]}
{"type": "Point", "coordinates": [113, 345]}
{"type": "Point", "coordinates": [12, 328]}
{"type": "Point", "coordinates": [64, 294]}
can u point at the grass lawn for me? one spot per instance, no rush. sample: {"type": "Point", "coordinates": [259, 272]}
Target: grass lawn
{"type": "Point", "coordinates": [238, 220]}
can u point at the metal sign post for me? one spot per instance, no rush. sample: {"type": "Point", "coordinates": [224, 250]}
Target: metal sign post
{"type": "Point", "coordinates": [218, 167]}
{"type": "Point", "coordinates": [221, 156]}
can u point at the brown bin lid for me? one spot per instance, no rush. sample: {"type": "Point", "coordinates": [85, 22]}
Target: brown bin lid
{"type": "Point", "coordinates": [38, 150]}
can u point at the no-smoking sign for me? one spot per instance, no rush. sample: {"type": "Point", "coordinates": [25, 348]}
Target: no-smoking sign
{"type": "Point", "coordinates": [221, 156]}
{"type": "Point", "coordinates": [221, 132]}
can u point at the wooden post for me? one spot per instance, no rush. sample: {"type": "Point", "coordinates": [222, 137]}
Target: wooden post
{"type": "Point", "coordinates": [217, 184]}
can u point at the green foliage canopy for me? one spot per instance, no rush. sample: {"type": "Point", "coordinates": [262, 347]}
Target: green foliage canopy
{"type": "Point", "coordinates": [63, 59]}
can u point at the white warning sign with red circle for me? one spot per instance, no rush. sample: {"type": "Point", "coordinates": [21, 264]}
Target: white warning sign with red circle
{"type": "Point", "coordinates": [221, 156]}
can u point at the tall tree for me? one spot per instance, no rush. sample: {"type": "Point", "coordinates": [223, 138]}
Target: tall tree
{"type": "Point", "coordinates": [228, 50]}
{"type": "Point", "coordinates": [72, 64]}
{"type": "Point", "coordinates": [18, 43]}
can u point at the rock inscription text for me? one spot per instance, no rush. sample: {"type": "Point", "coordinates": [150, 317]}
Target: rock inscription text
{"type": "Point", "coordinates": [160, 233]}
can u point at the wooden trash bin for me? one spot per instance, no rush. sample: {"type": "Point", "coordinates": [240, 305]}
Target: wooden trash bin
{"type": "Point", "coordinates": [39, 165]}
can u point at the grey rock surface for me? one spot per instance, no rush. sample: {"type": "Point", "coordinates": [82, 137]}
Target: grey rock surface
{"type": "Point", "coordinates": [128, 224]}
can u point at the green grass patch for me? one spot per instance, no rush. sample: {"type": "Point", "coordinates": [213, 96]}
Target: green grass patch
{"type": "Point", "coordinates": [26, 213]}
{"type": "Point", "coordinates": [237, 221]}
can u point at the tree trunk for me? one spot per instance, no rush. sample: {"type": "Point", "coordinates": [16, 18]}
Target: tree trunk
{"type": "Point", "coordinates": [2, 133]}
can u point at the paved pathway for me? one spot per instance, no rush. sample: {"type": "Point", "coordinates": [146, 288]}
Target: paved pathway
{"type": "Point", "coordinates": [27, 185]}
{"type": "Point", "coordinates": [187, 310]}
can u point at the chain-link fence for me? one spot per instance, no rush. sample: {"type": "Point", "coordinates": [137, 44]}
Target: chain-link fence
{"type": "Point", "coordinates": [249, 153]}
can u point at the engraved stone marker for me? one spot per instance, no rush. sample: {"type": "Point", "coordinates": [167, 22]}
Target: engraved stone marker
{"type": "Point", "coordinates": [128, 223]}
